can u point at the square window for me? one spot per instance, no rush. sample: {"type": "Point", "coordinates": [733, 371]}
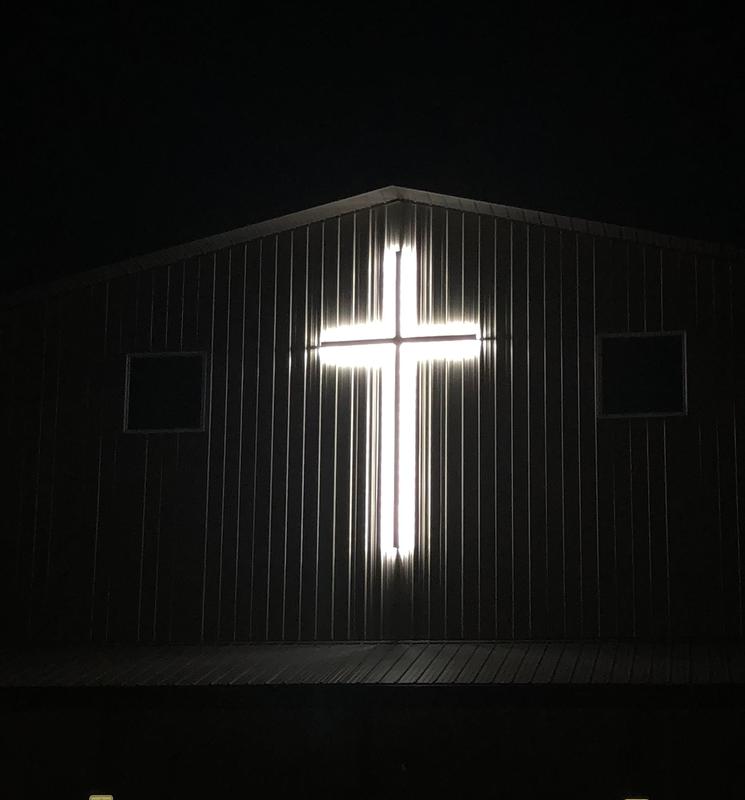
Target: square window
{"type": "Point", "coordinates": [165, 392]}
{"type": "Point", "coordinates": [642, 374]}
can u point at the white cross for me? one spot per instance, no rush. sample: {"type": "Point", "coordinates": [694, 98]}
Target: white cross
{"type": "Point", "coordinates": [395, 344]}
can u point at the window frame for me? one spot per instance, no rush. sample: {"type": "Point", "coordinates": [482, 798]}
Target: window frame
{"type": "Point", "coordinates": [203, 408]}
{"type": "Point", "coordinates": [600, 414]}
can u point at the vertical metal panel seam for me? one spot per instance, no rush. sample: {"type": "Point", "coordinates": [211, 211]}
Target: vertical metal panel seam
{"type": "Point", "coordinates": [644, 287]}
{"type": "Point", "coordinates": [561, 434]}
{"type": "Point", "coordinates": [662, 287]}
{"type": "Point", "coordinates": [479, 531]}
{"type": "Point", "coordinates": [377, 556]}
{"type": "Point", "coordinates": [209, 448]}
{"type": "Point", "coordinates": [374, 573]}
{"type": "Point", "coordinates": [513, 610]}
{"type": "Point", "coordinates": [239, 485]}
{"type": "Point", "coordinates": [368, 439]}
{"type": "Point", "coordinates": [631, 532]}
{"type": "Point", "coordinates": [443, 427]}
{"type": "Point", "coordinates": [545, 429]}
{"type": "Point", "coordinates": [527, 433]}
{"type": "Point", "coordinates": [320, 429]}
{"type": "Point", "coordinates": [182, 305]}
{"type": "Point", "coordinates": [94, 574]}
{"type": "Point", "coordinates": [336, 442]}
{"type": "Point", "coordinates": [628, 286]}
{"type": "Point", "coordinates": [181, 315]}
{"type": "Point", "coordinates": [462, 423]}
{"type": "Point", "coordinates": [430, 307]}
{"type": "Point", "coordinates": [631, 463]}
{"type": "Point", "coordinates": [95, 540]}
{"type": "Point", "coordinates": [11, 408]}
{"type": "Point", "coordinates": [617, 615]}
{"type": "Point", "coordinates": [306, 339]}
{"type": "Point", "coordinates": [157, 547]}
{"type": "Point", "coordinates": [53, 469]}
{"type": "Point", "coordinates": [271, 444]}
{"type": "Point", "coordinates": [355, 257]}
{"type": "Point", "coordinates": [714, 310]}
{"type": "Point", "coordinates": [338, 265]}
{"type": "Point", "coordinates": [718, 474]}
{"type": "Point", "coordinates": [737, 519]}
{"type": "Point", "coordinates": [579, 440]}
{"type": "Point", "coordinates": [415, 559]}
{"type": "Point", "coordinates": [353, 444]}
{"type": "Point", "coordinates": [198, 265]}
{"type": "Point", "coordinates": [614, 526]}
{"type": "Point", "coordinates": [352, 494]}
{"type": "Point", "coordinates": [138, 279]}
{"type": "Point", "coordinates": [287, 432]}
{"type": "Point", "coordinates": [445, 489]}
{"type": "Point", "coordinates": [462, 264]}
{"type": "Point", "coordinates": [224, 443]}
{"type": "Point", "coordinates": [668, 587]}
{"type": "Point", "coordinates": [108, 576]}
{"type": "Point", "coordinates": [142, 538]}
{"type": "Point", "coordinates": [595, 429]}
{"type": "Point", "coordinates": [497, 355]}
{"type": "Point", "coordinates": [152, 303]}
{"type": "Point", "coordinates": [738, 530]}
{"type": "Point", "coordinates": [650, 572]}
{"type": "Point", "coordinates": [168, 295]}
{"type": "Point", "coordinates": [252, 591]}
{"type": "Point", "coordinates": [370, 504]}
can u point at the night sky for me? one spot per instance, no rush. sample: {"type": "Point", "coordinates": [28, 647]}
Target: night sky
{"type": "Point", "coordinates": [132, 131]}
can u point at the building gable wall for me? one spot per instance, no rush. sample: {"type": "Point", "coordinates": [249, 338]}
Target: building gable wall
{"type": "Point", "coordinates": [543, 521]}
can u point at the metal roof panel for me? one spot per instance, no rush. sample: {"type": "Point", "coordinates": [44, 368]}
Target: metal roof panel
{"type": "Point", "coordinates": [420, 663]}
{"type": "Point", "coordinates": [474, 664]}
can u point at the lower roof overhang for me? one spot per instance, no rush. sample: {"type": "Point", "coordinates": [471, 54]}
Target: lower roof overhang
{"type": "Point", "coordinates": [403, 663]}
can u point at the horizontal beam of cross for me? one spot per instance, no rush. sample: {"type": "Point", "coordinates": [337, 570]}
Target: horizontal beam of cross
{"type": "Point", "coordinates": [394, 340]}
{"type": "Point", "coordinates": [399, 340]}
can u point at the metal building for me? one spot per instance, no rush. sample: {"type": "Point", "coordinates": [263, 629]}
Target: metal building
{"type": "Point", "coordinates": [533, 514]}
{"type": "Point", "coordinates": [487, 456]}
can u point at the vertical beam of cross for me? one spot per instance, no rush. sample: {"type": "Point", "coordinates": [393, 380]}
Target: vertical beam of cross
{"type": "Point", "coordinates": [396, 344]}
{"type": "Point", "coordinates": [397, 411]}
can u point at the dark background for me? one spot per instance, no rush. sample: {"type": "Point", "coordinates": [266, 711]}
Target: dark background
{"type": "Point", "coordinates": [378, 743]}
{"type": "Point", "coordinates": [132, 130]}
{"type": "Point", "coordinates": [126, 131]}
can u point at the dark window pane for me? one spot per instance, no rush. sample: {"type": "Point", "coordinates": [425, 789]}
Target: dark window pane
{"type": "Point", "coordinates": [165, 392]}
{"type": "Point", "coordinates": [643, 375]}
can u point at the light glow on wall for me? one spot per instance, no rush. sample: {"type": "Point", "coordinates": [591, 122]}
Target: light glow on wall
{"type": "Point", "coordinates": [394, 346]}
{"type": "Point", "coordinates": [372, 358]}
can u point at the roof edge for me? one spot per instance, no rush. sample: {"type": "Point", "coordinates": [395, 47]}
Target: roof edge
{"type": "Point", "coordinates": [575, 224]}
{"type": "Point", "coordinates": [196, 247]}
{"type": "Point", "coordinates": [387, 194]}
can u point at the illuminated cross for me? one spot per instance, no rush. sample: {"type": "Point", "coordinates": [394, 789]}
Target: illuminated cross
{"type": "Point", "coordinates": [395, 344]}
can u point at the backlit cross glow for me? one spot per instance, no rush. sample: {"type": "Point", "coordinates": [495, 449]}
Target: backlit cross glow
{"type": "Point", "coordinates": [395, 345]}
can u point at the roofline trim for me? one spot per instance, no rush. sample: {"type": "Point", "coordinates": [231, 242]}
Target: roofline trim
{"type": "Point", "coordinates": [388, 194]}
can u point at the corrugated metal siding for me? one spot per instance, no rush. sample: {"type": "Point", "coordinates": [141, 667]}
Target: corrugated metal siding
{"type": "Point", "coordinates": [517, 663]}
{"type": "Point", "coordinates": [337, 208]}
{"type": "Point", "coordinates": [538, 521]}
